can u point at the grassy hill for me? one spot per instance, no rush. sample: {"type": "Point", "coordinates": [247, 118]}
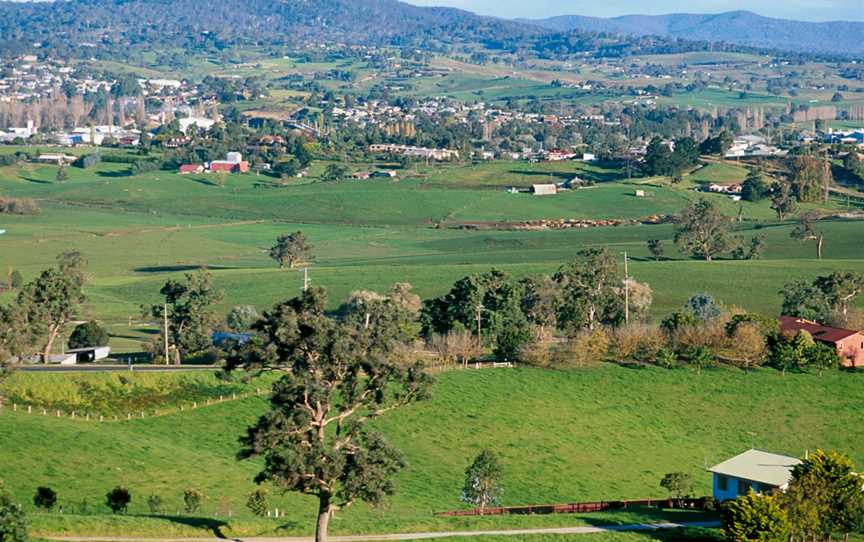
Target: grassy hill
{"type": "Point", "coordinates": [139, 231]}
{"type": "Point", "coordinates": [563, 436]}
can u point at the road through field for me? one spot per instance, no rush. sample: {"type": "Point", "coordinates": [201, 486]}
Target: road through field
{"type": "Point", "coordinates": [410, 536]}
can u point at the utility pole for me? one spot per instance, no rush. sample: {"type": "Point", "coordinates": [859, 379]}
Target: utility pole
{"type": "Point", "coordinates": [479, 309]}
{"type": "Point", "coordinates": [626, 290]}
{"type": "Point", "coordinates": [165, 331]}
{"type": "Point", "coordinates": [305, 279]}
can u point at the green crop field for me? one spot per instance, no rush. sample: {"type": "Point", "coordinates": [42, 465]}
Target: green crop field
{"type": "Point", "coordinates": [607, 432]}
{"type": "Point", "coordinates": [139, 231]}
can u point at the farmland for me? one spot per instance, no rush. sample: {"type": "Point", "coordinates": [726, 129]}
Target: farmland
{"type": "Point", "coordinates": [138, 231]}
{"type": "Point", "coordinates": [561, 437]}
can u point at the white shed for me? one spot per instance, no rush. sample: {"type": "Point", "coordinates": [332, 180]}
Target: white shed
{"type": "Point", "coordinates": [544, 189]}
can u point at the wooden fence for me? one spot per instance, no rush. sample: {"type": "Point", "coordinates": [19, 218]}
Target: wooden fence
{"type": "Point", "coordinates": [583, 507]}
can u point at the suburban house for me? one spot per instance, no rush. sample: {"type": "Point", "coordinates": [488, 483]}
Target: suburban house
{"type": "Point", "coordinates": [849, 344]}
{"type": "Point", "coordinates": [544, 189]}
{"type": "Point", "coordinates": [763, 472]}
{"type": "Point", "coordinates": [190, 169]}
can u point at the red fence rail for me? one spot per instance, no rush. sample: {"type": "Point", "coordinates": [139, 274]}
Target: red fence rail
{"type": "Point", "coordinates": [582, 507]}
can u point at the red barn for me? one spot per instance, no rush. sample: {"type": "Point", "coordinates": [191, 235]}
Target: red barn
{"type": "Point", "coordinates": [849, 344]}
{"type": "Point", "coordinates": [222, 166]}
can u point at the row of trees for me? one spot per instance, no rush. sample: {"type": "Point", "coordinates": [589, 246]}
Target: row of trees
{"type": "Point", "coordinates": [823, 499]}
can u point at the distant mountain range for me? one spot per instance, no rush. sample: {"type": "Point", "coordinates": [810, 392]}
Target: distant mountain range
{"type": "Point", "coordinates": [127, 26]}
{"type": "Point", "coordinates": [736, 27]}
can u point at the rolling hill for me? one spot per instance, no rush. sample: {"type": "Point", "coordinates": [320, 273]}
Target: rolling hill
{"type": "Point", "coordinates": [736, 27]}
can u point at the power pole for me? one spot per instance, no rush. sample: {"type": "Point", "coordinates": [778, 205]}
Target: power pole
{"type": "Point", "coordinates": [626, 290]}
{"type": "Point", "coordinates": [479, 309]}
{"type": "Point", "coordinates": [305, 279]}
{"type": "Point", "coordinates": [165, 331]}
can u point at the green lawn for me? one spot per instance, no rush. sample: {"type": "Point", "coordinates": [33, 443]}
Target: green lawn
{"type": "Point", "coordinates": [563, 436]}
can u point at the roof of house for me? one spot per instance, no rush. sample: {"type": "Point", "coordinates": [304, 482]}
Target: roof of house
{"type": "Point", "coordinates": [818, 331]}
{"type": "Point", "coordinates": [758, 466]}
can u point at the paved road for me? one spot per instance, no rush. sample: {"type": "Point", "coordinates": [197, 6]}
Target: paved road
{"type": "Point", "coordinates": [408, 536]}
{"type": "Point", "coordinates": [100, 368]}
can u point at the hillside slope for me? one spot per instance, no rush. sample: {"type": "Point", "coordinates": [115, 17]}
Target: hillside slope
{"type": "Point", "coordinates": [737, 27]}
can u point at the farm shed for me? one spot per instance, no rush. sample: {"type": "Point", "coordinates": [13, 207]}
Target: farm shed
{"type": "Point", "coordinates": [544, 189]}
{"type": "Point", "coordinates": [88, 355]}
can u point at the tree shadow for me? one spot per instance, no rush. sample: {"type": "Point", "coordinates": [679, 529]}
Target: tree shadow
{"type": "Point", "coordinates": [213, 525]}
{"type": "Point", "coordinates": [114, 174]}
{"type": "Point", "coordinates": [596, 176]}
{"type": "Point", "coordinates": [178, 268]}
{"type": "Point", "coordinates": [201, 180]}
{"type": "Point", "coordinates": [36, 181]}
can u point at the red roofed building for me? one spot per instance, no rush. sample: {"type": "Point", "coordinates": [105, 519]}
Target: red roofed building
{"type": "Point", "coordinates": [188, 169]}
{"type": "Point", "coordinates": [220, 166]}
{"type": "Point", "coordinates": [849, 344]}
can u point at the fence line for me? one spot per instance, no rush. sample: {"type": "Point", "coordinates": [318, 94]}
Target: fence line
{"type": "Point", "coordinates": [35, 410]}
{"type": "Point", "coordinates": [583, 507]}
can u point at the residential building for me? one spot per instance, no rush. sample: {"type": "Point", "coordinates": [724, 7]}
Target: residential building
{"type": "Point", "coordinates": [848, 343]}
{"type": "Point", "coordinates": [762, 472]}
{"type": "Point", "coordinates": [544, 189]}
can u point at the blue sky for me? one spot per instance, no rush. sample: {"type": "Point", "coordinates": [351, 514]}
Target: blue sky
{"type": "Point", "coordinates": [805, 10]}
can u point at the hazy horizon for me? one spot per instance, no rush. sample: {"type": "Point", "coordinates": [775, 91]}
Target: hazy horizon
{"type": "Point", "coordinates": [803, 10]}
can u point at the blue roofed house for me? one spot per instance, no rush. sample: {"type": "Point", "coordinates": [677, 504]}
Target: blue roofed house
{"type": "Point", "coordinates": [763, 472]}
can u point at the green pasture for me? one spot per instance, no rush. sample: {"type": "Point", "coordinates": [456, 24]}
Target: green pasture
{"type": "Point", "coordinates": [606, 432]}
{"type": "Point", "coordinates": [139, 231]}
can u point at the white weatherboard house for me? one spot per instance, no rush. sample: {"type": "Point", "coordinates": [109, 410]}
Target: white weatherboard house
{"type": "Point", "coordinates": [760, 471]}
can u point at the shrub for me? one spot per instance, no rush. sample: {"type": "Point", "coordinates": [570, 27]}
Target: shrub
{"type": "Point", "coordinates": [510, 342]}
{"type": "Point", "coordinates": [667, 358]}
{"type": "Point", "coordinates": [241, 318]}
{"type": "Point", "coordinates": [537, 354]}
{"type": "Point", "coordinates": [588, 347]}
{"type": "Point", "coordinates": [154, 503]}
{"type": "Point", "coordinates": [749, 348]}
{"type": "Point", "coordinates": [257, 502]}
{"type": "Point", "coordinates": [88, 335]}
{"type": "Point", "coordinates": [118, 499]}
{"type": "Point", "coordinates": [13, 525]}
{"type": "Point", "coordinates": [755, 517]}
{"type": "Point", "coordinates": [703, 307]}
{"type": "Point", "coordinates": [638, 342]}
{"type": "Point", "coordinates": [192, 500]}
{"type": "Point", "coordinates": [45, 497]}
{"type": "Point", "coordinates": [87, 161]}
{"type": "Point", "coordinates": [16, 281]}
{"type": "Point", "coordinates": [18, 206]}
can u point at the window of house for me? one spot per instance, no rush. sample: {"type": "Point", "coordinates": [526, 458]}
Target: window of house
{"type": "Point", "coordinates": [722, 483]}
{"type": "Point", "coordinates": [743, 487]}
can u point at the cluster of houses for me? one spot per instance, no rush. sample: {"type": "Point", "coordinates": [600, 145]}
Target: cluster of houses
{"type": "Point", "coordinates": [733, 190]}
{"type": "Point", "coordinates": [415, 152]}
{"type": "Point", "coordinates": [233, 163]}
{"type": "Point", "coordinates": [746, 146]}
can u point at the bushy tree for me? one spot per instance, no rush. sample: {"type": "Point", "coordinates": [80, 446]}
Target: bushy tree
{"type": "Point", "coordinates": [13, 524]}
{"type": "Point", "coordinates": [45, 497]}
{"type": "Point", "coordinates": [192, 499]}
{"type": "Point", "coordinates": [154, 503]}
{"type": "Point", "coordinates": [703, 307]}
{"type": "Point", "coordinates": [702, 230]}
{"type": "Point", "coordinates": [88, 335]}
{"type": "Point", "coordinates": [510, 341]}
{"type": "Point", "coordinates": [655, 246]}
{"type": "Point", "coordinates": [118, 499]}
{"type": "Point", "coordinates": [590, 291]}
{"type": "Point", "coordinates": [190, 312]}
{"type": "Point", "coordinates": [257, 502]}
{"type": "Point", "coordinates": [337, 376]}
{"type": "Point", "coordinates": [483, 481]}
{"type": "Point", "coordinates": [241, 318]}
{"type": "Point", "coordinates": [806, 230]}
{"type": "Point", "coordinates": [678, 484]}
{"type": "Point", "coordinates": [824, 496]}
{"type": "Point", "coordinates": [755, 518]}
{"type": "Point", "coordinates": [783, 200]}
{"type": "Point", "coordinates": [823, 297]}
{"type": "Point", "coordinates": [291, 249]}
{"type": "Point", "coordinates": [754, 188]}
